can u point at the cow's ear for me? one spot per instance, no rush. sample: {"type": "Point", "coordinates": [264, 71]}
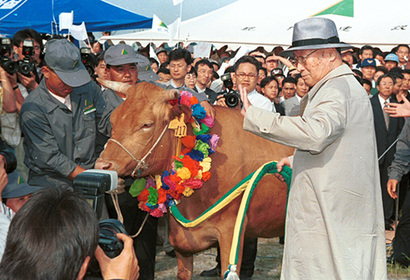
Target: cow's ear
{"type": "Point", "coordinates": [171, 94]}
{"type": "Point", "coordinates": [177, 110]}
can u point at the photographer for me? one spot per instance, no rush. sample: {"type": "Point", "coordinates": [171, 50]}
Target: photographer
{"type": "Point", "coordinates": [67, 224]}
{"type": "Point", "coordinates": [28, 82]}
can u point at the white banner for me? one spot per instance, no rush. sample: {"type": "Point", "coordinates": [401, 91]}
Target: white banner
{"type": "Point", "coordinates": [79, 31]}
{"type": "Point", "coordinates": [66, 20]}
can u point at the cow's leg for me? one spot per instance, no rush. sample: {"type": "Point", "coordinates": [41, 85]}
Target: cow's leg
{"type": "Point", "coordinates": [185, 266]}
{"type": "Point", "coordinates": [225, 244]}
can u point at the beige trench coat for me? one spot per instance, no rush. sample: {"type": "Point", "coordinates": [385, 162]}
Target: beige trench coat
{"type": "Point", "coordinates": [334, 223]}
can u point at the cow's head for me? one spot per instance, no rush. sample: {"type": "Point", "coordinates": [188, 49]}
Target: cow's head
{"type": "Point", "coordinates": [136, 125]}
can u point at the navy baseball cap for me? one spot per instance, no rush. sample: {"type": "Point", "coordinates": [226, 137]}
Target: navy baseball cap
{"type": "Point", "coordinates": [65, 59]}
{"type": "Point", "coordinates": [368, 62]}
{"type": "Point", "coordinates": [17, 187]}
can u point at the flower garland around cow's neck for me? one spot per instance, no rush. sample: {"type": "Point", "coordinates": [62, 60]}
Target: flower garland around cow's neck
{"type": "Point", "coordinates": [188, 171]}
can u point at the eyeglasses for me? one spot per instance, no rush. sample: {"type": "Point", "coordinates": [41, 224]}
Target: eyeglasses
{"type": "Point", "coordinates": [301, 59]}
{"type": "Point", "coordinates": [251, 76]}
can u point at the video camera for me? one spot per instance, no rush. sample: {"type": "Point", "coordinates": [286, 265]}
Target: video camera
{"type": "Point", "coordinates": [93, 184]}
{"type": "Point", "coordinates": [89, 60]}
{"type": "Point", "coordinates": [6, 62]}
{"type": "Point", "coordinates": [232, 98]}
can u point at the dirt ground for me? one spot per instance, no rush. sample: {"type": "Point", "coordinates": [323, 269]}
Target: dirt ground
{"type": "Point", "coordinates": [268, 262]}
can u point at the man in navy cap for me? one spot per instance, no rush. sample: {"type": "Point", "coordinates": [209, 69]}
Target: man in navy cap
{"type": "Point", "coordinates": [17, 192]}
{"type": "Point", "coordinates": [59, 119]}
{"type": "Point", "coordinates": [126, 66]}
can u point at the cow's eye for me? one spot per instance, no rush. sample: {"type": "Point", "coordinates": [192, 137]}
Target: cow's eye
{"type": "Point", "coordinates": [147, 125]}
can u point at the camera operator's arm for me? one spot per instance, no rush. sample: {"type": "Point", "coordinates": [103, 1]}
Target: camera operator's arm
{"type": "Point", "coordinates": [283, 60]}
{"type": "Point", "coordinates": [9, 99]}
{"type": "Point", "coordinates": [16, 90]}
{"type": "Point", "coordinates": [28, 82]}
{"type": "Point", "coordinates": [125, 266]}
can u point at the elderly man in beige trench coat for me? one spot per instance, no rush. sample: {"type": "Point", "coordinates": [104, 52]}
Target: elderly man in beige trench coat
{"type": "Point", "coordinates": [334, 222]}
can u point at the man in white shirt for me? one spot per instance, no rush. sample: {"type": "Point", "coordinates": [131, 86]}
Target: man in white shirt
{"type": "Point", "coordinates": [246, 74]}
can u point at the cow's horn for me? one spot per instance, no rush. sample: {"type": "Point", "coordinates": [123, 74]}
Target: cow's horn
{"type": "Point", "coordinates": [171, 94]}
{"type": "Point", "coordinates": [115, 86]}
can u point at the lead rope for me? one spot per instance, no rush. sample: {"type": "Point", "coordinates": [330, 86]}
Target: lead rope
{"type": "Point", "coordinates": [140, 163]}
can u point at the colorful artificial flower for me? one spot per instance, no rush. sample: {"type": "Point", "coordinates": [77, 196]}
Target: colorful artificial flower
{"type": "Point", "coordinates": [188, 171]}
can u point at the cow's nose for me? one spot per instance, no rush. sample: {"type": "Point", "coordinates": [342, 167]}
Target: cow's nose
{"type": "Point", "coordinates": [101, 164]}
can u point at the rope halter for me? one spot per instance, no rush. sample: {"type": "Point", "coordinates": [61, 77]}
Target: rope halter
{"type": "Point", "coordinates": [141, 164]}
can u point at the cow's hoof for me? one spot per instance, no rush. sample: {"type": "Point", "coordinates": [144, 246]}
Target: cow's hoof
{"type": "Point", "coordinates": [214, 272]}
{"type": "Point", "coordinates": [171, 254]}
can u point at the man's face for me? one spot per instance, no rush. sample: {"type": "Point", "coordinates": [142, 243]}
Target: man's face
{"type": "Point", "coordinates": [163, 78]}
{"type": "Point", "coordinates": [348, 57]}
{"type": "Point", "coordinates": [162, 57]}
{"type": "Point", "coordinates": [368, 72]}
{"type": "Point", "coordinates": [301, 87]}
{"type": "Point", "coordinates": [55, 84]}
{"type": "Point", "coordinates": [247, 76]}
{"type": "Point", "coordinates": [126, 73]}
{"type": "Point", "coordinates": [154, 67]}
{"type": "Point", "coordinates": [261, 75]}
{"type": "Point", "coordinates": [405, 86]}
{"type": "Point", "coordinates": [190, 80]}
{"type": "Point", "coordinates": [205, 74]}
{"type": "Point", "coordinates": [16, 203]}
{"type": "Point", "coordinates": [313, 65]}
{"type": "Point", "coordinates": [385, 87]}
{"type": "Point", "coordinates": [390, 64]}
{"type": "Point", "coordinates": [179, 68]}
{"type": "Point", "coordinates": [271, 90]}
{"type": "Point", "coordinates": [271, 63]}
{"type": "Point", "coordinates": [288, 90]}
{"type": "Point", "coordinates": [403, 54]}
{"type": "Point", "coordinates": [397, 86]}
{"type": "Point", "coordinates": [366, 54]}
{"type": "Point", "coordinates": [101, 71]}
{"type": "Point", "coordinates": [36, 51]}
{"type": "Point", "coordinates": [367, 88]}
{"type": "Point", "coordinates": [377, 75]}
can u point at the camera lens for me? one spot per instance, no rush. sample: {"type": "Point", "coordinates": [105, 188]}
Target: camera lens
{"type": "Point", "coordinates": [231, 100]}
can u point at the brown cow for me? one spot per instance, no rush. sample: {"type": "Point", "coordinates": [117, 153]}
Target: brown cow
{"type": "Point", "coordinates": [137, 124]}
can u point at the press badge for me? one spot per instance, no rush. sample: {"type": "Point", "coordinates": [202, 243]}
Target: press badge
{"type": "Point", "coordinates": [89, 107]}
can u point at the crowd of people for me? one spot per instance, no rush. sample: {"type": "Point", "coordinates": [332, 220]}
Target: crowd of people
{"type": "Point", "coordinates": [56, 121]}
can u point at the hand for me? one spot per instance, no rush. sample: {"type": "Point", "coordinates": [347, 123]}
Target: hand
{"type": "Point", "coordinates": [125, 266]}
{"type": "Point", "coordinates": [245, 100]}
{"type": "Point", "coordinates": [392, 188]}
{"type": "Point", "coordinates": [28, 82]}
{"type": "Point", "coordinates": [208, 108]}
{"type": "Point", "coordinates": [397, 109]}
{"type": "Point", "coordinates": [220, 101]}
{"type": "Point", "coordinates": [12, 78]}
{"type": "Point", "coordinates": [279, 166]}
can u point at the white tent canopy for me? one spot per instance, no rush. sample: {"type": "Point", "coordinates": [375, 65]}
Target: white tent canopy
{"type": "Point", "coordinates": [269, 24]}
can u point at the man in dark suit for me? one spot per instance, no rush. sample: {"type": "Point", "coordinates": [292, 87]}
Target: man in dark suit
{"type": "Point", "coordinates": [387, 130]}
{"type": "Point", "coordinates": [205, 72]}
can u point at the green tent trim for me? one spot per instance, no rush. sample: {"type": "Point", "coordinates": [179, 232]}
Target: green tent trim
{"type": "Point", "coordinates": [341, 8]}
